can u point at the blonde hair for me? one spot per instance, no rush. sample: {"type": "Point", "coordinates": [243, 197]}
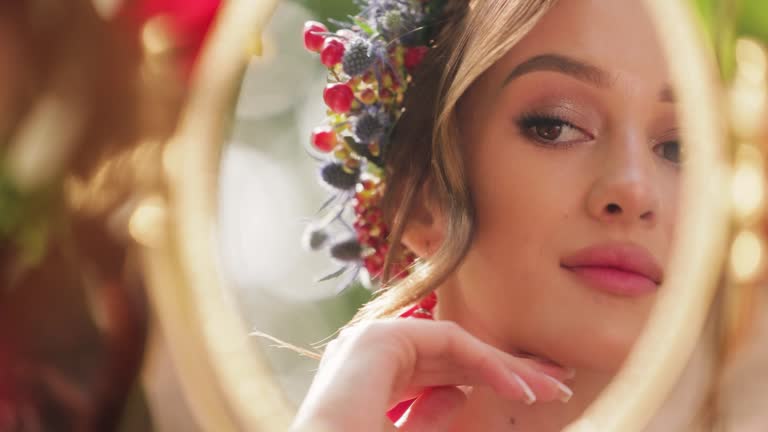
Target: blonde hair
{"type": "Point", "coordinates": [474, 35]}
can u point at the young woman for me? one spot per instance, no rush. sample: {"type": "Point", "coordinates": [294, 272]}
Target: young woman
{"type": "Point", "coordinates": [535, 174]}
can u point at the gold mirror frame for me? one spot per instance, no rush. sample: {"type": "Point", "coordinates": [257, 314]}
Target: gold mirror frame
{"type": "Point", "coordinates": [228, 383]}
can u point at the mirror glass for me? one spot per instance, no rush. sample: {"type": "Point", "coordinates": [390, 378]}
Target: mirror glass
{"type": "Point", "coordinates": [268, 194]}
{"type": "Point", "coordinates": [592, 226]}
{"type": "Point", "coordinates": [545, 215]}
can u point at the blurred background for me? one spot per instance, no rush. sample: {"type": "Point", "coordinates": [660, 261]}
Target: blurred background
{"type": "Point", "coordinates": [269, 191]}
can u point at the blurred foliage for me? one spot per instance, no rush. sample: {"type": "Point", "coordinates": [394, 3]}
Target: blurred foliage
{"type": "Point", "coordinates": [726, 20]}
{"type": "Point", "coordinates": [343, 308]}
{"type": "Point", "coordinates": [325, 9]}
{"type": "Point", "coordinates": [753, 19]}
{"type": "Point", "coordinates": [26, 219]}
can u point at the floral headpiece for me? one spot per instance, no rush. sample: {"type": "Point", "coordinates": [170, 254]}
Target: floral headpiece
{"type": "Point", "coordinates": [370, 64]}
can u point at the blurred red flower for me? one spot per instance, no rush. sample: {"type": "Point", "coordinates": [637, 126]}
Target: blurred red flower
{"type": "Point", "coordinates": [189, 22]}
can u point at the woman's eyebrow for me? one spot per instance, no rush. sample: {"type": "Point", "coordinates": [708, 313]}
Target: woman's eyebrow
{"type": "Point", "coordinates": [558, 63]}
{"type": "Point", "coordinates": [578, 69]}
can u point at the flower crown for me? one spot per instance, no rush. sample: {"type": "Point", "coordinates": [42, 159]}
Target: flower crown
{"type": "Point", "coordinates": [370, 64]}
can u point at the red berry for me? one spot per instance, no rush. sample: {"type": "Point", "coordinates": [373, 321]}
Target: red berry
{"type": "Point", "coordinates": [332, 53]}
{"type": "Point", "coordinates": [313, 35]}
{"type": "Point", "coordinates": [386, 96]}
{"type": "Point", "coordinates": [369, 77]}
{"type": "Point", "coordinates": [324, 138]}
{"type": "Point", "coordinates": [414, 56]}
{"type": "Point", "coordinates": [338, 97]}
{"type": "Point", "coordinates": [429, 301]}
{"type": "Point", "coordinates": [375, 216]}
{"type": "Point", "coordinates": [368, 96]}
{"type": "Point", "coordinates": [373, 264]}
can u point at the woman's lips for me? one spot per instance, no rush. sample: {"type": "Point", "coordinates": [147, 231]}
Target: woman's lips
{"type": "Point", "coordinates": [615, 281]}
{"type": "Point", "coordinates": [617, 268]}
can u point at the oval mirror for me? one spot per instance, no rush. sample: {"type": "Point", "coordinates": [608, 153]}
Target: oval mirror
{"type": "Point", "coordinates": [670, 237]}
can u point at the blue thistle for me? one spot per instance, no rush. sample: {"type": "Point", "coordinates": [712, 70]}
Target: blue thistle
{"type": "Point", "coordinates": [357, 57]}
{"type": "Point", "coordinates": [315, 239]}
{"type": "Point", "coordinates": [335, 175]}
{"type": "Point", "coordinates": [347, 250]}
{"type": "Point", "coordinates": [368, 128]}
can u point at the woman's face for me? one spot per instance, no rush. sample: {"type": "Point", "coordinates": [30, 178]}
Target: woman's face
{"type": "Point", "coordinates": [571, 148]}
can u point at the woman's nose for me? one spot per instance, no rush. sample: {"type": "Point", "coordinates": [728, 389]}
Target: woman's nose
{"type": "Point", "coordinates": [623, 191]}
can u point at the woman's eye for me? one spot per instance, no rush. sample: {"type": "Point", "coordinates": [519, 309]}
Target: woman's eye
{"type": "Point", "coordinates": [552, 130]}
{"type": "Point", "coordinates": [669, 150]}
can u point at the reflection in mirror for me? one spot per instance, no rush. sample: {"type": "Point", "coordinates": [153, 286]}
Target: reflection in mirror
{"type": "Point", "coordinates": [544, 218]}
{"type": "Point", "coordinates": [268, 193]}
{"type": "Point", "coordinates": [566, 139]}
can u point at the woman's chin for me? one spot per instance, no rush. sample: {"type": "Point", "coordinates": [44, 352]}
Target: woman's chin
{"type": "Point", "coordinates": [598, 351]}
{"type": "Point", "coordinates": [602, 338]}
{"type": "Point", "coordinates": [602, 354]}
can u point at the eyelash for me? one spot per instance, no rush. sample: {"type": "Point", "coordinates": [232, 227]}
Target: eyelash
{"type": "Point", "coordinates": [680, 151]}
{"type": "Point", "coordinates": [530, 120]}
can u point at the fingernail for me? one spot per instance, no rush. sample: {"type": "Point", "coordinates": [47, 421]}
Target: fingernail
{"type": "Point", "coordinates": [570, 373]}
{"type": "Point", "coordinates": [565, 391]}
{"type": "Point", "coordinates": [528, 396]}
{"type": "Point", "coordinates": [467, 389]}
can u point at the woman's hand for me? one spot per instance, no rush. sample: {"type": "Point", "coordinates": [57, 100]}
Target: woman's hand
{"type": "Point", "coordinates": [372, 366]}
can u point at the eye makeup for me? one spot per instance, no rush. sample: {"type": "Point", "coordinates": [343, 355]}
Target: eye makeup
{"type": "Point", "coordinates": [550, 129]}
{"type": "Point", "coordinates": [669, 147]}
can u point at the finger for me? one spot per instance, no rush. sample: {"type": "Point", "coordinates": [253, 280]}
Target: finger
{"type": "Point", "coordinates": [549, 368]}
{"type": "Point", "coordinates": [547, 388]}
{"type": "Point", "coordinates": [407, 356]}
{"type": "Point", "coordinates": [440, 353]}
{"type": "Point", "coordinates": [434, 411]}
{"type": "Point", "coordinates": [539, 380]}
{"type": "Point", "coordinates": [449, 355]}
{"type": "Point", "coordinates": [328, 352]}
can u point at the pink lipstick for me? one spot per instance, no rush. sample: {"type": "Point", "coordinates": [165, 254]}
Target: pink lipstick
{"type": "Point", "coordinates": [622, 269]}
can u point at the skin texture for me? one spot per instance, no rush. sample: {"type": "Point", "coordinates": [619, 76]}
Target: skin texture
{"type": "Point", "coordinates": [543, 190]}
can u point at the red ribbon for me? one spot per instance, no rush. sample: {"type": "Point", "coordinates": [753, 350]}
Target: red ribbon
{"type": "Point", "coordinates": [422, 310]}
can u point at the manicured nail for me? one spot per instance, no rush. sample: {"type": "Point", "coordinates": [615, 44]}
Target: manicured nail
{"type": "Point", "coordinates": [570, 373]}
{"type": "Point", "coordinates": [467, 389]}
{"type": "Point", "coordinates": [565, 391]}
{"type": "Point", "coordinates": [530, 397]}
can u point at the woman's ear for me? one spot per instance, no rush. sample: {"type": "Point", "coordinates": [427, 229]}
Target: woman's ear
{"type": "Point", "coordinates": [425, 230]}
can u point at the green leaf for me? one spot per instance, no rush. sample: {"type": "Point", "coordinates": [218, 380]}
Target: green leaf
{"type": "Point", "coordinates": [33, 241]}
{"type": "Point", "coordinates": [753, 20]}
{"type": "Point", "coordinates": [11, 206]}
{"type": "Point", "coordinates": [363, 26]}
